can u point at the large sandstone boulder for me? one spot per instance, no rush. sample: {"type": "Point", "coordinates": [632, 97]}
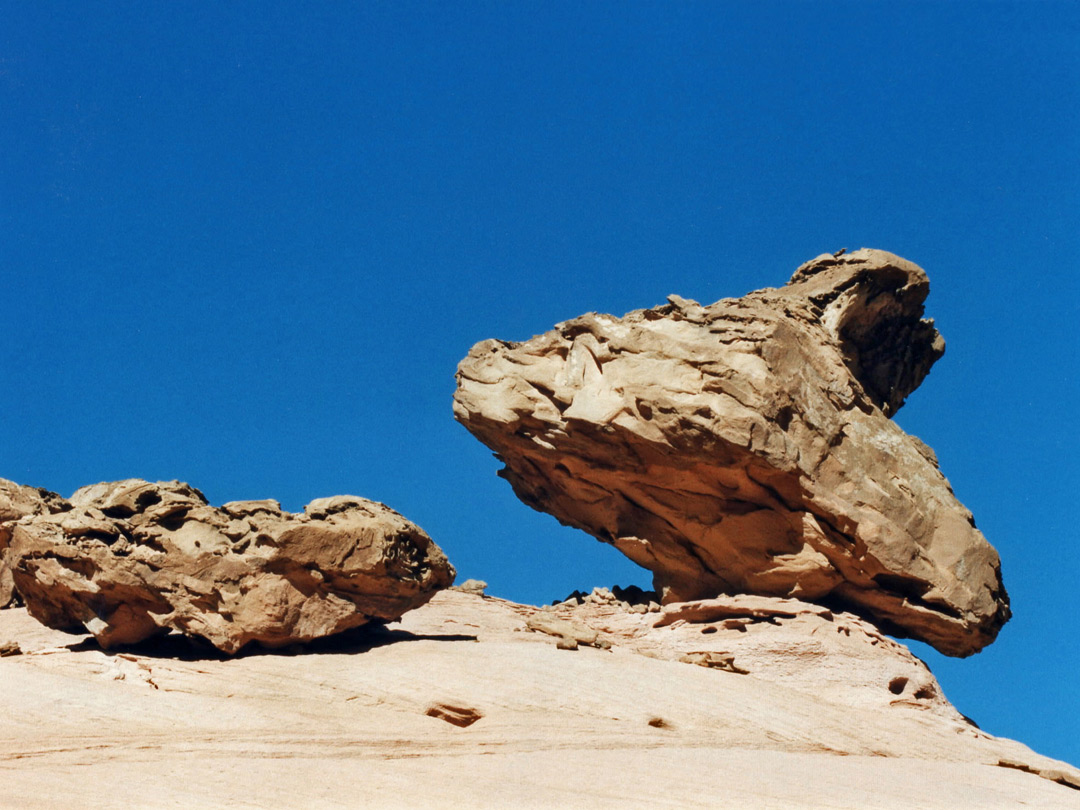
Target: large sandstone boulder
{"type": "Point", "coordinates": [131, 559]}
{"type": "Point", "coordinates": [17, 501]}
{"type": "Point", "coordinates": [746, 447]}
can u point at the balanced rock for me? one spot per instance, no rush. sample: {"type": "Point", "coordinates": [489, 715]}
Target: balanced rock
{"type": "Point", "coordinates": [17, 501]}
{"type": "Point", "coordinates": [747, 447]}
{"type": "Point", "coordinates": [131, 559]}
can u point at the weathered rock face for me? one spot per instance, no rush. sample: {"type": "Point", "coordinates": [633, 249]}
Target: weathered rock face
{"type": "Point", "coordinates": [746, 447]}
{"type": "Point", "coordinates": [131, 559]}
{"type": "Point", "coordinates": [834, 655]}
{"type": "Point", "coordinates": [17, 501]}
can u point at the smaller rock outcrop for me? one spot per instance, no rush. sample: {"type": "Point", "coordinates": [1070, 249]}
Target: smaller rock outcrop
{"type": "Point", "coordinates": [17, 501]}
{"type": "Point", "coordinates": [569, 632]}
{"type": "Point", "coordinates": [131, 559]}
{"type": "Point", "coordinates": [834, 655]}
{"type": "Point", "coordinates": [477, 587]}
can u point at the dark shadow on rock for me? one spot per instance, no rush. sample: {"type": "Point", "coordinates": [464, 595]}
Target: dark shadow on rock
{"type": "Point", "coordinates": [186, 648]}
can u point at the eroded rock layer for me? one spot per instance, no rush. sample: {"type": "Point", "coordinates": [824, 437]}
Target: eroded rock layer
{"type": "Point", "coordinates": [746, 447]}
{"type": "Point", "coordinates": [131, 559]}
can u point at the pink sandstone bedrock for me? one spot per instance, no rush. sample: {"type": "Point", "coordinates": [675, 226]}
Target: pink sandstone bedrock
{"type": "Point", "coordinates": [463, 702]}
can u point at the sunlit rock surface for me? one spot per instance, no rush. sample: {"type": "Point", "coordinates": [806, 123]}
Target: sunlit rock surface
{"type": "Point", "coordinates": [131, 559]}
{"type": "Point", "coordinates": [472, 702]}
{"type": "Point", "coordinates": [17, 501]}
{"type": "Point", "coordinates": [747, 447]}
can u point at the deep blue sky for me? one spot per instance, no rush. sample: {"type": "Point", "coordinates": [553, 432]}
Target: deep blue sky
{"type": "Point", "coordinates": [245, 245]}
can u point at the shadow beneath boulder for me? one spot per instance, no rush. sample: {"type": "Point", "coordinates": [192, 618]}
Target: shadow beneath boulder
{"type": "Point", "coordinates": [186, 648]}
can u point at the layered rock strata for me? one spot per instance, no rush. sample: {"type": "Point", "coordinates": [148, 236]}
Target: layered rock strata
{"type": "Point", "coordinates": [131, 559]}
{"type": "Point", "coordinates": [834, 655]}
{"type": "Point", "coordinates": [747, 447]}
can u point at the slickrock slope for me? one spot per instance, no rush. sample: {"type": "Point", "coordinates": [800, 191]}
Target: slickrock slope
{"type": "Point", "coordinates": [16, 502]}
{"type": "Point", "coordinates": [132, 559]}
{"type": "Point", "coordinates": [746, 447]}
{"type": "Point", "coordinates": [806, 647]}
{"type": "Point", "coordinates": [460, 704]}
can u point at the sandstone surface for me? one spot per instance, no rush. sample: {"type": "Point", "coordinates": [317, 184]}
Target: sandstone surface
{"type": "Point", "coordinates": [747, 447]}
{"type": "Point", "coordinates": [132, 559]}
{"type": "Point", "coordinates": [460, 704]}
{"type": "Point", "coordinates": [17, 501]}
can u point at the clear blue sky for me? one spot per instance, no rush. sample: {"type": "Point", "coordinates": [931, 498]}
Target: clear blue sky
{"type": "Point", "coordinates": [245, 244]}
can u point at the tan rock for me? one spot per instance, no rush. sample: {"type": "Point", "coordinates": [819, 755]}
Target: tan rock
{"type": "Point", "coordinates": [714, 660]}
{"type": "Point", "coordinates": [746, 447]}
{"type": "Point", "coordinates": [132, 559]}
{"type": "Point", "coordinates": [17, 501]}
{"type": "Point", "coordinates": [562, 629]}
{"type": "Point", "coordinates": [476, 587]}
{"type": "Point", "coordinates": [727, 607]}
